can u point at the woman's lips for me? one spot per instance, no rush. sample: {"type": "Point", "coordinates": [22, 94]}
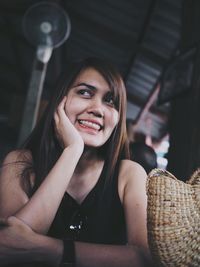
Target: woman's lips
{"type": "Point", "coordinates": [90, 124]}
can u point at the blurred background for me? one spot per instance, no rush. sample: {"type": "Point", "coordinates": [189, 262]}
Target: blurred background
{"type": "Point", "coordinates": [154, 44]}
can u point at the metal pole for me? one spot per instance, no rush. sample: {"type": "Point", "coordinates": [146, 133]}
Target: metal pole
{"type": "Point", "coordinates": [33, 97]}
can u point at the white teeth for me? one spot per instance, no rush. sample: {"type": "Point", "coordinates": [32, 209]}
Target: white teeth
{"type": "Point", "coordinates": [90, 124]}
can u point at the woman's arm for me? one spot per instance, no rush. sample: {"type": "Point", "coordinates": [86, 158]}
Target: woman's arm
{"type": "Point", "coordinates": [134, 254]}
{"type": "Point", "coordinates": [39, 211]}
{"type": "Point", "coordinates": [19, 244]}
{"type": "Point", "coordinates": [134, 198]}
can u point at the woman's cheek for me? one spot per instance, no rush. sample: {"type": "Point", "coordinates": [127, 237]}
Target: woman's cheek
{"type": "Point", "coordinates": [115, 118]}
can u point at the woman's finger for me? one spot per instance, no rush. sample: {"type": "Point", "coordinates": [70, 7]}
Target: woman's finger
{"type": "Point", "coordinates": [56, 117]}
{"type": "Point", "coordinates": [62, 103]}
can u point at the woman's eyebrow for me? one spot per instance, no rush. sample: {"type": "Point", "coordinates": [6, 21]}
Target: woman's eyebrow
{"type": "Point", "coordinates": [87, 85]}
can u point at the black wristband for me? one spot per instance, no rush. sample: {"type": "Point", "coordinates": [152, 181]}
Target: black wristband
{"type": "Point", "coordinates": [68, 253]}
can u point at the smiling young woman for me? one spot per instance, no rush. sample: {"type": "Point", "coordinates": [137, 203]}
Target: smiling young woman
{"type": "Point", "coordinates": [91, 107]}
{"type": "Point", "coordinates": [72, 180]}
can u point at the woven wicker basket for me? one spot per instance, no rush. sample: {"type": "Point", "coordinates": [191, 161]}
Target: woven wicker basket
{"type": "Point", "coordinates": [173, 219]}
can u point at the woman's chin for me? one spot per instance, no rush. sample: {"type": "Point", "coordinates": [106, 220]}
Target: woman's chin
{"type": "Point", "coordinates": [92, 143]}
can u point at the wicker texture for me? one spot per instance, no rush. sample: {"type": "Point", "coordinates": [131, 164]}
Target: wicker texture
{"type": "Point", "coordinates": [173, 219]}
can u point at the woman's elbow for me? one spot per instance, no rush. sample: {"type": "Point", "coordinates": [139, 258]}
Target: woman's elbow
{"type": "Point", "coordinates": [140, 257]}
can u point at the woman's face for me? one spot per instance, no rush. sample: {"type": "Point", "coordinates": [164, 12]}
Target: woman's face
{"type": "Point", "coordinates": [91, 109]}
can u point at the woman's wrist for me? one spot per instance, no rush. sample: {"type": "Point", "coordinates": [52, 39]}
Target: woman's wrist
{"type": "Point", "coordinates": [68, 255]}
{"type": "Point", "coordinates": [49, 250]}
{"type": "Point", "coordinates": [76, 148]}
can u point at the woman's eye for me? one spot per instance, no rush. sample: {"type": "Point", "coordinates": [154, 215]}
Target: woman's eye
{"type": "Point", "coordinates": [109, 100]}
{"type": "Point", "coordinates": [85, 92]}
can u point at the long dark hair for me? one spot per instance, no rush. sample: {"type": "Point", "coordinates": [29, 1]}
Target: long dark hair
{"type": "Point", "coordinates": [42, 142]}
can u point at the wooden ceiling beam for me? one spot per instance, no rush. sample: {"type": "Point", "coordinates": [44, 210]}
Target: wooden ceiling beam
{"type": "Point", "coordinates": [140, 103]}
{"type": "Point", "coordinates": [146, 108]}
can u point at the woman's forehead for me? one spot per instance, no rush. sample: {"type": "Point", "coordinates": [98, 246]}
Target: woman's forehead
{"type": "Point", "coordinates": [89, 73]}
{"type": "Point", "coordinates": [92, 77]}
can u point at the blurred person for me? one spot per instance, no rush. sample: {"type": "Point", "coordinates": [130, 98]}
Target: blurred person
{"type": "Point", "coordinates": [144, 155]}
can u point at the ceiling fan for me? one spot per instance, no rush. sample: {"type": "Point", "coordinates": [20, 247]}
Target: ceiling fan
{"type": "Point", "coordinates": [46, 26]}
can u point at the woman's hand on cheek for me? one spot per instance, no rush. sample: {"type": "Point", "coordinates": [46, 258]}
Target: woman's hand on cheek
{"type": "Point", "coordinates": [66, 133]}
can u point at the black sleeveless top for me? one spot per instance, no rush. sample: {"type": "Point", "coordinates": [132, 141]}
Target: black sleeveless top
{"type": "Point", "coordinates": [98, 219]}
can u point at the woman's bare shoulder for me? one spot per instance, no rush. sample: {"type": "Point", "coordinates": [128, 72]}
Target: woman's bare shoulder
{"type": "Point", "coordinates": [131, 175]}
{"type": "Point", "coordinates": [11, 186]}
{"type": "Point", "coordinates": [13, 165]}
{"type": "Point", "coordinates": [131, 168]}
{"type": "Point", "coordinates": [20, 155]}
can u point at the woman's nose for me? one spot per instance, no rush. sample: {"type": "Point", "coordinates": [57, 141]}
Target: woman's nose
{"type": "Point", "coordinates": [96, 108]}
